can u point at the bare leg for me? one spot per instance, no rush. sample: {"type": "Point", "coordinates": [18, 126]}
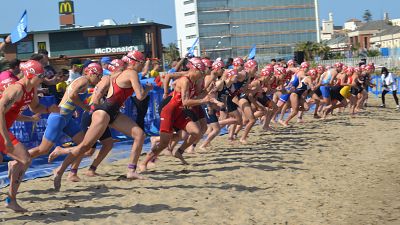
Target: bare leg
{"type": "Point", "coordinates": [73, 175]}
{"type": "Point", "coordinates": [17, 171]}
{"type": "Point", "coordinates": [155, 151]}
{"type": "Point", "coordinates": [106, 147]}
{"type": "Point", "coordinates": [193, 129]}
{"type": "Point", "coordinates": [250, 116]}
{"type": "Point", "coordinates": [97, 127]}
{"type": "Point", "coordinates": [294, 100]}
{"type": "Point", "coordinates": [127, 126]}
{"type": "Point", "coordinates": [215, 129]}
{"type": "Point", "coordinates": [203, 129]}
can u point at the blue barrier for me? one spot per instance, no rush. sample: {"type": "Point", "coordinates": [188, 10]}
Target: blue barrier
{"type": "Point", "coordinates": [377, 80]}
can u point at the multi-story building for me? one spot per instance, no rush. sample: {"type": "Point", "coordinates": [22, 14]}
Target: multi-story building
{"type": "Point", "coordinates": [360, 38]}
{"type": "Point", "coordinates": [231, 27]}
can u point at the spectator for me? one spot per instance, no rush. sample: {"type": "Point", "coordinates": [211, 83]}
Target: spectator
{"type": "Point", "coordinates": [155, 72]}
{"type": "Point", "coordinates": [273, 62]}
{"type": "Point", "coordinates": [7, 40]}
{"type": "Point", "coordinates": [389, 85]}
{"type": "Point", "coordinates": [50, 79]}
{"type": "Point", "coordinates": [105, 61]}
{"type": "Point", "coordinates": [75, 71]}
{"type": "Point", "coordinates": [61, 86]}
{"type": "Point", "coordinates": [229, 63]}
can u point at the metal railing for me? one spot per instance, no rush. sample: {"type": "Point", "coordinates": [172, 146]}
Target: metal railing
{"type": "Point", "coordinates": [386, 61]}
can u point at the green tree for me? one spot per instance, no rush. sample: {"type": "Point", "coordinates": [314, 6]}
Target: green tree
{"type": "Point", "coordinates": [373, 53]}
{"type": "Point", "coordinates": [306, 47]}
{"type": "Point", "coordinates": [171, 52]}
{"type": "Point", "coordinates": [367, 15]}
{"type": "Point", "coordinates": [312, 49]}
{"type": "Point", "coordinates": [322, 50]}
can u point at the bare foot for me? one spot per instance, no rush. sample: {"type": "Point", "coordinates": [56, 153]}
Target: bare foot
{"type": "Point", "coordinates": [142, 167]}
{"type": "Point", "coordinates": [57, 180]}
{"type": "Point", "coordinates": [300, 121]}
{"type": "Point", "coordinates": [151, 165]}
{"type": "Point", "coordinates": [131, 175]}
{"type": "Point", "coordinates": [203, 148]}
{"type": "Point", "coordinates": [269, 128]}
{"type": "Point", "coordinates": [73, 177]}
{"type": "Point", "coordinates": [91, 173]}
{"type": "Point", "coordinates": [57, 152]}
{"type": "Point", "coordinates": [178, 155]}
{"type": "Point", "coordinates": [190, 150]}
{"type": "Point", "coordinates": [316, 116]}
{"type": "Point", "coordinates": [13, 205]}
{"type": "Point", "coordinates": [283, 123]}
{"type": "Point", "coordinates": [243, 141]}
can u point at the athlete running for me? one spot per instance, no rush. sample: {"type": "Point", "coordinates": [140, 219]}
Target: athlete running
{"type": "Point", "coordinates": [107, 114]}
{"type": "Point", "coordinates": [13, 100]}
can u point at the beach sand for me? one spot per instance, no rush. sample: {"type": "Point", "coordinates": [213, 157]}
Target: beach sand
{"type": "Point", "coordinates": [339, 171]}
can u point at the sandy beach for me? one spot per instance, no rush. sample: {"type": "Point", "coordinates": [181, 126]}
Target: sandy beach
{"type": "Point", "coordinates": [339, 171]}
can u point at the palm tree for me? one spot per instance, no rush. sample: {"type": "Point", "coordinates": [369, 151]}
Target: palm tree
{"type": "Point", "coordinates": [307, 48]}
{"type": "Point", "coordinates": [322, 50]}
{"type": "Point", "coordinates": [171, 52]}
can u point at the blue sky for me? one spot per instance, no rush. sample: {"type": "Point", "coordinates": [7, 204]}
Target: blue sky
{"type": "Point", "coordinates": [43, 14]}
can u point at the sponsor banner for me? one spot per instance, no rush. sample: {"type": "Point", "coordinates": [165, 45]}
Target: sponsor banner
{"type": "Point", "coordinates": [115, 50]}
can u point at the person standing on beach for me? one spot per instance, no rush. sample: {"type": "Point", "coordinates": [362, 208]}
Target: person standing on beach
{"type": "Point", "coordinates": [389, 85]}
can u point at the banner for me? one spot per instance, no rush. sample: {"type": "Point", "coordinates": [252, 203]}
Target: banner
{"type": "Point", "coordinates": [191, 50]}
{"type": "Point", "coordinates": [252, 53]}
{"type": "Point", "coordinates": [21, 31]}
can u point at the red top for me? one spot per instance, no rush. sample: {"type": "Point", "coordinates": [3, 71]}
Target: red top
{"type": "Point", "coordinates": [177, 96]}
{"type": "Point", "coordinates": [119, 95]}
{"type": "Point", "coordinates": [13, 113]}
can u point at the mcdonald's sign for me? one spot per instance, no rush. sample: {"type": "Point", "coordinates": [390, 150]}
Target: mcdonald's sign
{"type": "Point", "coordinates": [66, 7]}
{"type": "Point", "coordinates": [41, 45]}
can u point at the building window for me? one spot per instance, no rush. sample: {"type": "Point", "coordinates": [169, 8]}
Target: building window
{"type": "Point", "coordinates": [190, 25]}
{"type": "Point", "coordinates": [189, 13]}
{"type": "Point", "coordinates": [188, 2]}
{"type": "Point", "coordinates": [92, 42]}
{"type": "Point", "coordinates": [190, 36]}
{"type": "Point", "coordinates": [114, 40]}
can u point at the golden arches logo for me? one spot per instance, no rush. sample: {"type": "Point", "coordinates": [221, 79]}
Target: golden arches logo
{"type": "Point", "coordinates": [66, 7]}
{"type": "Point", "coordinates": [42, 45]}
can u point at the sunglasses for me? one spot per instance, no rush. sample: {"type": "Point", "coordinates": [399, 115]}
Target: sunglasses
{"type": "Point", "coordinates": [141, 62]}
{"type": "Point", "coordinates": [41, 76]}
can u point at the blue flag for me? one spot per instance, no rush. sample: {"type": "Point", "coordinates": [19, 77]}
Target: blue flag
{"type": "Point", "coordinates": [252, 53]}
{"type": "Point", "coordinates": [191, 50]}
{"type": "Point", "coordinates": [21, 30]}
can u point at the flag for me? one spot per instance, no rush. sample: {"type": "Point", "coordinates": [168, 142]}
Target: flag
{"type": "Point", "coordinates": [21, 30]}
{"type": "Point", "coordinates": [191, 50]}
{"type": "Point", "coordinates": [252, 53]}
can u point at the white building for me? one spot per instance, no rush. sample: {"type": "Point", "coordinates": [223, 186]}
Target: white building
{"type": "Point", "coordinates": [187, 26]}
{"type": "Point", "coordinates": [352, 24]}
{"type": "Point", "coordinates": [327, 28]}
{"type": "Point", "coordinates": [395, 22]}
{"type": "Point", "coordinates": [389, 38]}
